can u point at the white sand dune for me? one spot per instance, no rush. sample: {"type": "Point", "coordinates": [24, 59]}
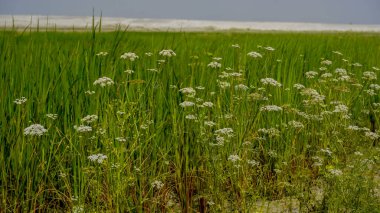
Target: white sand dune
{"type": "Point", "coordinates": [110, 24]}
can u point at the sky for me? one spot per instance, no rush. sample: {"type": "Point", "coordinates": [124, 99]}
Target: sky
{"type": "Point", "coordinates": [317, 11]}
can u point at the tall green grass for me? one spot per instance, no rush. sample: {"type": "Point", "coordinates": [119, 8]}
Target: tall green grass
{"type": "Point", "coordinates": [169, 162]}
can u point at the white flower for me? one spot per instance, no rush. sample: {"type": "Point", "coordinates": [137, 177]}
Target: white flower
{"type": "Point", "coordinates": [341, 71]}
{"type": "Point", "coordinates": [20, 101]}
{"type": "Point", "coordinates": [336, 172]}
{"type": "Point", "coordinates": [89, 118]}
{"type": "Point", "coordinates": [234, 158]}
{"type": "Point", "coordinates": [102, 54]}
{"type": "Point", "coordinates": [97, 158]}
{"type": "Point", "coordinates": [200, 88]}
{"type": "Point", "coordinates": [216, 58]}
{"type": "Point", "coordinates": [253, 163]}
{"type": "Point", "coordinates": [235, 46]}
{"type": "Point", "coordinates": [129, 71]}
{"type": "Point", "coordinates": [89, 92]}
{"type": "Point", "coordinates": [368, 75]}
{"type": "Point", "coordinates": [224, 84]}
{"type": "Point", "coordinates": [326, 62]}
{"type": "Point", "coordinates": [167, 53]}
{"type": "Point", "coordinates": [152, 70]}
{"type": "Point", "coordinates": [270, 81]}
{"type": "Point", "coordinates": [157, 184]}
{"type": "Point", "coordinates": [104, 81]}
{"type": "Point", "coordinates": [189, 91]}
{"type": "Point", "coordinates": [341, 108]}
{"type": "Point", "coordinates": [357, 64]}
{"type": "Point", "coordinates": [326, 75]}
{"type": "Point", "coordinates": [269, 48]}
{"type": "Point", "coordinates": [229, 132]}
{"type": "Point", "coordinates": [254, 55]}
{"type": "Point", "coordinates": [52, 116]}
{"type": "Point", "coordinates": [372, 135]}
{"type": "Point", "coordinates": [214, 64]}
{"type": "Point", "coordinates": [83, 128]}
{"type": "Point", "coordinates": [121, 139]}
{"type": "Point", "coordinates": [271, 108]}
{"type": "Point", "coordinates": [311, 74]}
{"type": "Point", "coordinates": [271, 132]}
{"type": "Point", "coordinates": [35, 130]}
{"type": "Point", "coordinates": [209, 123]}
{"type": "Point", "coordinates": [296, 124]}
{"type": "Point", "coordinates": [191, 117]}
{"type": "Point", "coordinates": [337, 52]}
{"type": "Point", "coordinates": [148, 54]}
{"type": "Point", "coordinates": [299, 86]}
{"type": "Point", "coordinates": [130, 56]}
{"type": "Point", "coordinates": [241, 87]}
{"type": "Point", "coordinates": [374, 86]}
{"type": "Point", "coordinates": [187, 104]}
{"type": "Point", "coordinates": [375, 68]}
{"type": "Point", "coordinates": [208, 104]}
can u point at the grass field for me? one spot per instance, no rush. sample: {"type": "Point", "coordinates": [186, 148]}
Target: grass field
{"type": "Point", "coordinates": [191, 122]}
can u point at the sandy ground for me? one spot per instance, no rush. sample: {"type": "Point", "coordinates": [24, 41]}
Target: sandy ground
{"type": "Point", "coordinates": [110, 24]}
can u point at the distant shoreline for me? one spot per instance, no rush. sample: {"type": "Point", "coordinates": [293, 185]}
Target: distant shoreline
{"type": "Point", "coordinates": [76, 23]}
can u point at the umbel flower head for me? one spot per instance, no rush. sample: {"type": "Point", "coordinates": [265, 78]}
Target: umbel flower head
{"type": "Point", "coordinates": [104, 81]}
{"type": "Point", "coordinates": [167, 53]}
{"type": "Point", "coordinates": [129, 56]}
{"type": "Point", "coordinates": [35, 130]}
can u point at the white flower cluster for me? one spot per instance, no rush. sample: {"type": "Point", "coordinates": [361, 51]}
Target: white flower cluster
{"type": "Point", "coordinates": [269, 48]}
{"type": "Point", "coordinates": [341, 108]}
{"type": "Point", "coordinates": [254, 55]}
{"type": "Point", "coordinates": [241, 87]}
{"type": "Point", "coordinates": [369, 76]}
{"type": "Point", "coordinates": [52, 116]}
{"type": "Point", "coordinates": [35, 130]}
{"type": "Point", "coordinates": [189, 91]}
{"type": "Point", "coordinates": [224, 84]}
{"type": "Point", "coordinates": [167, 53]}
{"type": "Point", "coordinates": [341, 71]}
{"type": "Point", "coordinates": [299, 86]}
{"type": "Point", "coordinates": [157, 184]}
{"type": "Point", "coordinates": [271, 108]}
{"type": "Point", "coordinates": [20, 101]}
{"type": "Point", "coordinates": [129, 56]}
{"type": "Point", "coordinates": [102, 54]}
{"type": "Point", "coordinates": [313, 94]}
{"type": "Point", "coordinates": [229, 132]}
{"type": "Point", "coordinates": [83, 128]}
{"type": "Point", "coordinates": [374, 86]}
{"type": "Point", "coordinates": [89, 118]}
{"type": "Point", "coordinates": [372, 135]}
{"type": "Point", "coordinates": [187, 104]}
{"type": "Point", "coordinates": [326, 62]}
{"type": "Point", "coordinates": [234, 158]}
{"type": "Point", "coordinates": [208, 104]}
{"type": "Point", "coordinates": [271, 132]}
{"type": "Point", "coordinates": [104, 81]}
{"type": "Point", "coordinates": [210, 123]}
{"type": "Point", "coordinates": [214, 65]}
{"type": "Point", "coordinates": [120, 139]}
{"type": "Point", "coordinates": [270, 81]}
{"type": "Point", "coordinates": [296, 124]}
{"type": "Point", "coordinates": [326, 75]}
{"type": "Point", "coordinates": [97, 158]}
{"type": "Point", "coordinates": [311, 74]}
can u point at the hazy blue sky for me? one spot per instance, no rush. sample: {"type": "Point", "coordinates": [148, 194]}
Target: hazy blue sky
{"type": "Point", "coordinates": [326, 11]}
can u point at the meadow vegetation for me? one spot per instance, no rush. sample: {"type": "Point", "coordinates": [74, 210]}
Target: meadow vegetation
{"type": "Point", "coordinates": [192, 122]}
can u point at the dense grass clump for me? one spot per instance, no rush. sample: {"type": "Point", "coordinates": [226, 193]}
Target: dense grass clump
{"type": "Point", "coordinates": [218, 122]}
